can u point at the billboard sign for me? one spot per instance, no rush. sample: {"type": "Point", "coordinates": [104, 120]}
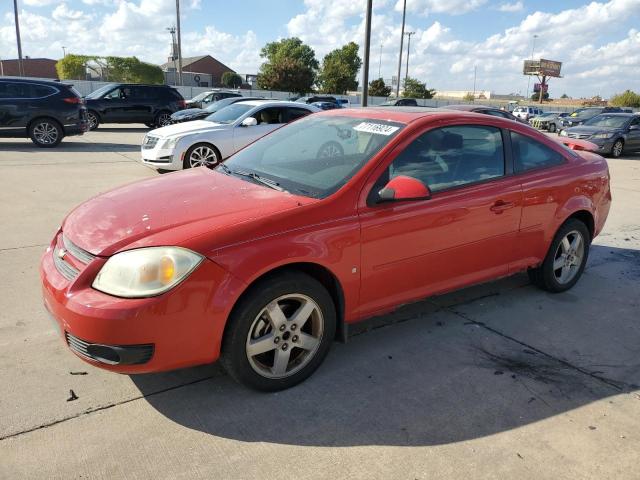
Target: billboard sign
{"type": "Point", "coordinates": [548, 68]}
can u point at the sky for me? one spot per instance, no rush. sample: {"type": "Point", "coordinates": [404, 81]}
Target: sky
{"type": "Point", "coordinates": [598, 42]}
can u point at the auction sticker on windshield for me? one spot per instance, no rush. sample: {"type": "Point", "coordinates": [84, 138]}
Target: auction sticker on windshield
{"type": "Point", "coordinates": [379, 128]}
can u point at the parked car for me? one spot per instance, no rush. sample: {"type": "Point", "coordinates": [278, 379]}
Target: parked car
{"type": "Point", "coordinates": [210, 96]}
{"type": "Point", "coordinates": [209, 141]}
{"type": "Point", "coordinates": [525, 113]}
{"type": "Point", "coordinates": [133, 103]}
{"type": "Point", "coordinates": [44, 111]}
{"type": "Point", "coordinates": [400, 102]}
{"type": "Point", "coordinates": [190, 114]}
{"type": "Point", "coordinates": [263, 261]}
{"type": "Point", "coordinates": [326, 105]}
{"type": "Point", "coordinates": [551, 121]}
{"type": "Point", "coordinates": [317, 98]}
{"type": "Point", "coordinates": [581, 115]}
{"type": "Point", "coordinates": [496, 112]}
{"type": "Point", "coordinates": [343, 102]}
{"type": "Point", "coordinates": [614, 133]}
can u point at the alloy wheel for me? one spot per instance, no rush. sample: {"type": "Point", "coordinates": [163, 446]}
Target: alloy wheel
{"type": "Point", "coordinates": [285, 336]}
{"type": "Point", "coordinates": [164, 119]}
{"type": "Point", "coordinates": [568, 257]}
{"type": "Point", "coordinates": [617, 148]}
{"type": "Point", "coordinates": [45, 133]}
{"type": "Point", "coordinates": [93, 121]}
{"type": "Point", "coordinates": [203, 156]}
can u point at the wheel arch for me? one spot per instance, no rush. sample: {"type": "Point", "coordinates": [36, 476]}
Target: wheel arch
{"type": "Point", "coordinates": [43, 117]}
{"type": "Point", "coordinates": [316, 271]}
{"type": "Point", "coordinates": [585, 217]}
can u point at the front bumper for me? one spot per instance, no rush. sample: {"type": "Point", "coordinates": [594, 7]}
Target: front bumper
{"type": "Point", "coordinates": [180, 328]}
{"type": "Point", "coordinates": [161, 158]}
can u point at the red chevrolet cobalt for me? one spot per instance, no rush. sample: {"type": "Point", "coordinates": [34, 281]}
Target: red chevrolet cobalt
{"type": "Point", "coordinates": [334, 218]}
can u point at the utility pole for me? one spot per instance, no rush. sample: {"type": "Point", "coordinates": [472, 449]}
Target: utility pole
{"type": "Point", "coordinates": [179, 41]}
{"type": "Point", "coordinates": [408, 34]}
{"type": "Point", "coordinates": [20, 66]}
{"type": "Point", "coordinates": [404, 13]}
{"type": "Point", "coordinates": [380, 63]}
{"type": "Point", "coordinates": [533, 47]}
{"type": "Point", "coordinates": [174, 53]}
{"type": "Point", "coordinates": [475, 68]}
{"type": "Point", "coordinates": [64, 52]}
{"type": "Point", "coordinates": [367, 47]}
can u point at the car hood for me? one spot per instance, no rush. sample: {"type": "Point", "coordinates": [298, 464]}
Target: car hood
{"type": "Point", "coordinates": [191, 127]}
{"type": "Point", "coordinates": [591, 130]}
{"type": "Point", "coordinates": [171, 209]}
{"type": "Point", "coordinates": [188, 112]}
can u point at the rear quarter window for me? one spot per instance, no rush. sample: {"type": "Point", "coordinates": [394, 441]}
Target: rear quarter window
{"type": "Point", "coordinates": [530, 154]}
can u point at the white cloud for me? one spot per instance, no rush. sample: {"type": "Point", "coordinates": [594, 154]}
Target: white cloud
{"type": "Point", "coordinates": [451, 7]}
{"type": "Point", "coordinates": [511, 7]}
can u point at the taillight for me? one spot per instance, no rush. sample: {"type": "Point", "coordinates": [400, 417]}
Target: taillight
{"type": "Point", "coordinates": [182, 103]}
{"type": "Point", "coordinates": [74, 100]}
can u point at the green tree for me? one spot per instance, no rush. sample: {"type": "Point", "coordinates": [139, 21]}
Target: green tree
{"type": "Point", "coordinates": [377, 88]}
{"type": "Point", "coordinates": [72, 67]}
{"type": "Point", "coordinates": [290, 66]}
{"type": "Point", "coordinates": [469, 97]}
{"type": "Point", "coordinates": [132, 70]}
{"type": "Point", "coordinates": [414, 88]}
{"type": "Point", "coordinates": [231, 80]}
{"type": "Point", "coordinates": [339, 70]}
{"type": "Point", "coordinates": [564, 95]}
{"type": "Point", "coordinates": [626, 99]}
{"type": "Point", "coordinates": [536, 96]}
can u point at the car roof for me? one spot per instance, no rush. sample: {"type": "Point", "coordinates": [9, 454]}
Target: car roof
{"type": "Point", "coordinates": [35, 81]}
{"type": "Point", "coordinates": [279, 103]}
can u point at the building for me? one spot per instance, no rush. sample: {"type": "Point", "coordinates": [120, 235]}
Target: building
{"type": "Point", "coordinates": [201, 71]}
{"type": "Point", "coordinates": [33, 67]}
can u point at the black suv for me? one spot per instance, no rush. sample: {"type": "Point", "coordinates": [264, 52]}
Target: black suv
{"type": "Point", "coordinates": [133, 103]}
{"type": "Point", "coordinates": [45, 111]}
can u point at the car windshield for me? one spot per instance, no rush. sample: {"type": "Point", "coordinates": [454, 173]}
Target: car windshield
{"type": "Point", "coordinates": [610, 121]}
{"type": "Point", "coordinates": [316, 155]}
{"type": "Point", "coordinates": [101, 91]}
{"type": "Point", "coordinates": [229, 114]}
{"type": "Point", "coordinates": [199, 97]}
{"type": "Point", "coordinates": [215, 106]}
{"type": "Point", "coordinates": [584, 112]}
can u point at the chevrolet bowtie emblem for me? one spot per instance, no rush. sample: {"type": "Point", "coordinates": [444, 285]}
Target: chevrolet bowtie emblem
{"type": "Point", "coordinates": [61, 253]}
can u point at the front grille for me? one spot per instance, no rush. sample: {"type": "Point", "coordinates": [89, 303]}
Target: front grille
{"type": "Point", "coordinates": [67, 270]}
{"type": "Point", "coordinates": [581, 136]}
{"type": "Point", "coordinates": [82, 255]}
{"type": "Point", "coordinates": [149, 142]}
{"type": "Point", "coordinates": [110, 354]}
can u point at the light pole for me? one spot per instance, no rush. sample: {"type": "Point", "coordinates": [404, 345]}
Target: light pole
{"type": "Point", "coordinates": [404, 12]}
{"type": "Point", "coordinates": [380, 63]}
{"type": "Point", "coordinates": [64, 52]}
{"type": "Point", "coordinates": [475, 68]}
{"type": "Point", "coordinates": [408, 34]}
{"type": "Point", "coordinates": [367, 47]}
{"type": "Point", "coordinates": [179, 42]}
{"type": "Point", "coordinates": [20, 66]}
{"type": "Point", "coordinates": [533, 47]}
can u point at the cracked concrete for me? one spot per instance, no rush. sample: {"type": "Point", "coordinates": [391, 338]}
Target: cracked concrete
{"type": "Point", "coordinates": [496, 381]}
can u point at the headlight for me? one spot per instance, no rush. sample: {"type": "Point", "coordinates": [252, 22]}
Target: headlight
{"type": "Point", "coordinates": [146, 272]}
{"type": "Point", "coordinates": [602, 135]}
{"type": "Point", "coordinates": [563, 133]}
{"type": "Point", "coordinates": [170, 142]}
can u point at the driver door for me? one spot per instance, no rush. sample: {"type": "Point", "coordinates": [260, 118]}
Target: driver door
{"type": "Point", "coordinates": [115, 105]}
{"type": "Point", "coordinates": [268, 118]}
{"type": "Point", "coordinates": [463, 234]}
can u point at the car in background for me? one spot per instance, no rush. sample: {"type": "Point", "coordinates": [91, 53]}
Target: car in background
{"type": "Point", "coordinates": [548, 121]}
{"type": "Point", "coordinates": [343, 102]}
{"type": "Point", "coordinates": [207, 142]}
{"type": "Point", "coordinates": [400, 102]}
{"type": "Point", "coordinates": [317, 98]}
{"type": "Point", "coordinates": [525, 113]}
{"type": "Point", "coordinates": [265, 260]}
{"type": "Point", "coordinates": [190, 114]}
{"type": "Point", "coordinates": [210, 96]}
{"type": "Point", "coordinates": [133, 103]}
{"type": "Point", "coordinates": [326, 105]}
{"type": "Point", "coordinates": [614, 133]}
{"type": "Point", "coordinates": [581, 115]}
{"type": "Point", "coordinates": [41, 110]}
{"type": "Point", "coordinates": [496, 112]}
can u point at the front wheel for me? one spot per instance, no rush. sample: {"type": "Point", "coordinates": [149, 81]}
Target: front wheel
{"type": "Point", "coordinates": [566, 259]}
{"type": "Point", "coordinates": [93, 119]}
{"type": "Point", "coordinates": [618, 147]}
{"type": "Point", "coordinates": [163, 119]}
{"type": "Point", "coordinates": [279, 333]}
{"type": "Point", "coordinates": [46, 133]}
{"type": "Point", "coordinates": [201, 155]}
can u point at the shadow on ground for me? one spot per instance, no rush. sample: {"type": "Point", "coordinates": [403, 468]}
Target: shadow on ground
{"type": "Point", "coordinates": [439, 375]}
{"type": "Point", "coordinates": [84, 145]}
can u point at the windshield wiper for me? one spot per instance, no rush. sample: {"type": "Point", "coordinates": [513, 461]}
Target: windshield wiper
{"type": "Point", "coordinates": [254, 176]}
{"type": "Point", "coordinates": [224, 168]}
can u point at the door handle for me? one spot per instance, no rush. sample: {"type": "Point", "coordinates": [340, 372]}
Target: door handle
{"type": "Point", "coordinates": [500, 206]}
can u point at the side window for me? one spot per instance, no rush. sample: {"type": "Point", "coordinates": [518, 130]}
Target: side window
{"type": "Point", "coordinates": [16, 90]}
{"type": "Point", "coordinates": [39, 91]}
{"type": "Point", "coordinates": [452, 156]}
{"type": "Point", "coordinates": [529, 154]}
{"type": "Point", "coordinates": [272, 115]}
{"type": "Point", "coordinates": [295, 113]}
{"type": "Point", "coordinates": [635, 121]}
{"type": "Point", "coordinates": [115, 94]}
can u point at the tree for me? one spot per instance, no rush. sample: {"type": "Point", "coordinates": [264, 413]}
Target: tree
{"type": "Point", "coordinates": [536, 96]}
{"type": "Point", "coordinates": [626, 99]}
{"type": "Point", "coordinates": [414, 88]}
{"type": "Point", "coordinates": [377, 88]}
{"type": "Point", "coordinates": [231, 80]}
{"type": "Point", "coordinates": [469, 97]}
{"type": "Point", "coordinates": [72, 67]}
{"type": "Point", "coordinates": [564, 95]}
{"type": "Point", "coordinates": [110, 69]}
{"type": "Point", "coordinates": [339, 69]}
{"type": "Point", "coordinates": [290, 66]}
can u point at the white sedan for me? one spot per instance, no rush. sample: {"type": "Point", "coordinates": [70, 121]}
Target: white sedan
{"type": "Point", "coordinates": [209, 141]}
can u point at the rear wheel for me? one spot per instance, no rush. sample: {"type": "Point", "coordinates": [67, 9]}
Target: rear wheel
{"type": "Point", "coordinates": [618, 147]}
{"type": "Point", "coordinates": [163, 119]}
{"type": "Point", "coordinates": [46, 132]}
{"type": "Point", "coordinates": [93, 119]}
{"type": "Point", "coordinates": [279, 333]}
{"type": "Point", "coordinates": [566, 258]}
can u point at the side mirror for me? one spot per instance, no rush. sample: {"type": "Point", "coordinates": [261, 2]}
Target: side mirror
{"type": "Point", "coordinates": [249, 122]}
{"type": "Point", "coordinates": [634, 127]}
{"type": "Point", "coordinates": [404, 188]}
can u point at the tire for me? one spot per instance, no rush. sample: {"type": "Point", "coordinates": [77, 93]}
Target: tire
{"type": "Point", "coordinates": [570, 267]}
{"type": "Point", "coordinates": [330, 149]}
{"type": "Point", "coordinates": [46, 132]}
{"type": "Point", "coordinates": [201, 155]}
{"type": "Point", "coordinates": [94, 120]}
{"type": "Point", "coordinates": [552, 128]}
{"type": "Point", "coordinates": [279, 362]}
{"type": "Point", "coordinates": [150, 125]}
{"type": "Point", "coordinates": [162, 119]}
{"type": "Point", "coordinates": [617, 148]}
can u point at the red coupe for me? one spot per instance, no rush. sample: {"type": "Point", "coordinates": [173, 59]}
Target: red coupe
{"type": "Point", "coordinates": [334, 218]}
